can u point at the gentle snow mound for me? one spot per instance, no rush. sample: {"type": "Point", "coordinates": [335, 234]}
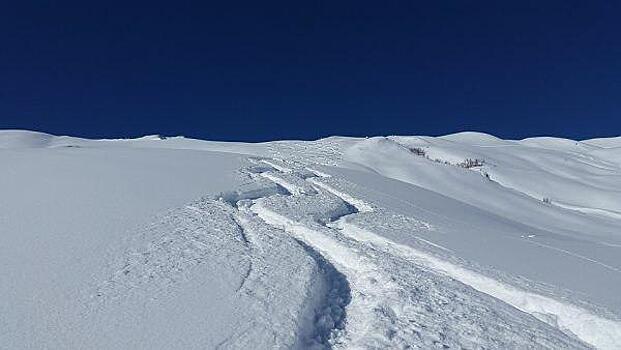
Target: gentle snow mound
{"type": "Point", "coordinates": [23, 139]}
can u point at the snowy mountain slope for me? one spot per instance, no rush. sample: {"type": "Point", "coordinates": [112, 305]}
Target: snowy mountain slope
{"type": "Point", "coordinates": [562, 170]}
{"type": "Point", "coordinates": [340, 242]}
{"type": "Point", "coordinates": [63, 209]}
{"type": "Point", "coordinates": [610, 142]}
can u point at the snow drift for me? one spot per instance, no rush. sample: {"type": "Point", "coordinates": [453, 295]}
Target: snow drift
{"type": "Point", "coordinates": [465, 240]}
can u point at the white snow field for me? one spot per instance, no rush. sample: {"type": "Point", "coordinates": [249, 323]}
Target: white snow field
{"type": "Point", "coordinates": [405, 242]}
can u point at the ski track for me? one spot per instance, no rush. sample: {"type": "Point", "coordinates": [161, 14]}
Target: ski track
{"type": "Point", "coordinates": [324, 291]}
{"type": "Point", "coordinates": [341, 285]}
{"type": "Point", "coordinates": [304, 309]}
{"type": "Point", "coordinates": [379, 297]}
{"type": "Point", "coordinates": [360, 206]}
{"type": "Point", "coordinates": [277, 164]}
{"type": "Point", "coordinates": [581, 257]}
{"type": "Point", "coordinates": [598, 331]}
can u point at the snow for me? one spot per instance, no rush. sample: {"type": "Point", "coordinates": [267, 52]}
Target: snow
{"type": "Point", "coordinates": [376, 296]}
{"type": "Point", "coordinates": [473, 138]}
{"type": "Point", "coordinates": [356, 203]}
{"type": "Point", "coordinates": [383, 242]}
{"type": "Point", "coordinates": [609, 142]}
{"type": "Point", "coordinates": [595, 330]}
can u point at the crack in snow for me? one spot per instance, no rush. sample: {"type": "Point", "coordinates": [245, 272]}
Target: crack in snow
{"type": "Point", "coordinates": [360, 205]}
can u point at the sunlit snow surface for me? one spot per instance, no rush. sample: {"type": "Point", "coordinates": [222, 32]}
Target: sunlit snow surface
{"type": "Point", "coordinates": [461, 241]}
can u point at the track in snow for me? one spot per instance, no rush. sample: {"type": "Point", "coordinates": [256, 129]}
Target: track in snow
{"type": "Point", "coordinates": [317, 275]}
{"type": "Point", "coordinates": [397, 301]}
{"type": "Point", "coordinates": [286, 295]}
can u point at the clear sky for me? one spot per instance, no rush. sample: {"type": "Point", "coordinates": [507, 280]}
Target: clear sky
{"type": "Point", "coordinates": [261, 70]}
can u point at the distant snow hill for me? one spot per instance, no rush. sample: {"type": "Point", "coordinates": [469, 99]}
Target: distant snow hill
{"type": "Point", "coordinates": [460, 241]}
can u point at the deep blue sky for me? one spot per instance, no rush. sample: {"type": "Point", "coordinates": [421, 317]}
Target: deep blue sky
{"type": "Point", "coordinates": [260, 70]}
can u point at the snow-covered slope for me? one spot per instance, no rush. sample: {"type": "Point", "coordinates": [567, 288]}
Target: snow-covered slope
{"type": "Point", "coordinates": [461, 241]}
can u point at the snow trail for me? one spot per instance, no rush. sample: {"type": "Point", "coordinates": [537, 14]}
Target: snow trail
{"type": "Point", "coordinates": [598, 331]}
{"type": "Point", "coordinates": [593, 329]}
{"type": "Point", "coordinates": [391, 293]}
{"type": "Point", "coordinates": [321, 316]}
{"type": "Point", "coordinates": [276, 164]}
{"type": "Point", "coordinates": [353, 288]}
{"type": "Point", "coordinates": [295, 185]}
{"type": "Point", "coordinates": [360, 271]}
{"type": "Point", "coordinates": [360, 205]}
{"type": "Point", "coordinates": [319, 291]}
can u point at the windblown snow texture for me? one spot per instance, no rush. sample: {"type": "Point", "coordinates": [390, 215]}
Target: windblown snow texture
{"type": "Point", "coordinates": [462, 241]}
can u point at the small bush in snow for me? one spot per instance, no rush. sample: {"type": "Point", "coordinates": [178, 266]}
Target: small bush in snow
{"type": "Point", "coordinates": [418, 151]}
{"type": "Point", "coordinates": [471, 163]}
